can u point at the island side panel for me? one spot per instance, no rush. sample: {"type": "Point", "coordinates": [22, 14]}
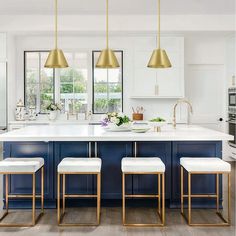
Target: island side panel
{"type": "Point", "coordinates": [148, 184]}
{"type": "Point", "coordinates": [201, 184]}
{"type": "Point", "coordinates": [22, 184]}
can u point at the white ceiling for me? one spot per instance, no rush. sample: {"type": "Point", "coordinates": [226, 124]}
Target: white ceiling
{"type": "Point", "coordinates": [118, 6]}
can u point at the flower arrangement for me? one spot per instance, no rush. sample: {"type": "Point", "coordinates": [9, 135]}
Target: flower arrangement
{"type": "Point", "coordinates": [115, 118]}
{"type": "Point", "coordinates": [54, 107]}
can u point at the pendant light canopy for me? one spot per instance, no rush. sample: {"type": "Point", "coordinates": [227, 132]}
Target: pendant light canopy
{"type": "Point", "coordinates": [107, 58]}
{"type": "Point", "coordinates": [56, 58]}
{"type": "Point", "coordinates": [159, 58]}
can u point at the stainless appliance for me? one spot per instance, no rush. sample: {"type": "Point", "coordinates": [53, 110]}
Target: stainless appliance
{"type": "Point", "coordinates": [232, 115]}
{"type": "Point", "coordinates": [232, 97]}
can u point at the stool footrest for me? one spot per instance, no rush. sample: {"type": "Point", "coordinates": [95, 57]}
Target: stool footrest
{"type": "Point", "coordinates": [142, 195]}
{"type": "Point", "coordinates": [80, 195]}
{"type": "Point", "coordinates": [201, 196]}
{"type": "Point", "coordinates": [23, 196]}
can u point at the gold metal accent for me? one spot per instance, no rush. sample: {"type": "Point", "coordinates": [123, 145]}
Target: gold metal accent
{"type": "Point", "coordinates": [190, 196]}
{"type": "Point", "coordinates": [175, 106]}
{"type": "Point", "coordinates": [159, 58]}
{"type": "Point", "coordinates": [56, 58]}
{"type": "Point", "coordinates": [107, 58]}
{"type": "Point", "coordinates": [160, 196]}
{"type": "Point", "coordinates": [64, 196]}
{"type": "Point", "coordinates": [34, 219]}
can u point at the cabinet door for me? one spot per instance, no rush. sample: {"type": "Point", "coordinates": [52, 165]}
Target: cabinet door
{"type": "Point", "coordinates": [150, 82]}
{"type": "Point", "coordinates": [201, 184]}
{"type": "Point", "coordinates": [75, 184]}
{"type": "Point", "coordinates": [22, 184]}
{"type": "Point", "coordinates": [3, 47]}
{"type": "Point", "coordinates": [111, 154]}
{"type": "Point", "coordinates": [147, 184]}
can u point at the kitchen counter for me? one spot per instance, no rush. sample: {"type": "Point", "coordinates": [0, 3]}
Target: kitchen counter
{"type": "Point", "coordinates": [97, 133]}
{"type": "Point", "coordinates": [53, 143]}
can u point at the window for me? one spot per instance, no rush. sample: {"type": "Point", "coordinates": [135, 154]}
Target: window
{"type": "Point", "coordinates": [107, 86]}
{"type": "Point", "coordinates": [73, 83]}
{"type": "Point", "coordinates": [39, 81]}
{"type": "Point", "coordinates": [71, 86]}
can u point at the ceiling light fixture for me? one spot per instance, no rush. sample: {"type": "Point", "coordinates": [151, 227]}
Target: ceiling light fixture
{"type": "Point", "coordinates": [159, 58]}
{"type": "Point", "coordinates": [107, 58]}
{"type": "Point", "coordinates": [56, 58]}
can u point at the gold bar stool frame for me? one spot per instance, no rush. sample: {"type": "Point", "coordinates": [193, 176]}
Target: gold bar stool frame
{"type": "Point", "coordinates": [78, 166]}
{"type": "Point", "coordinates": [214, 166]}
{"type": "Point", "coordinates": [143, 166]}
{"type": "Point", "coordinates": [29, 166]}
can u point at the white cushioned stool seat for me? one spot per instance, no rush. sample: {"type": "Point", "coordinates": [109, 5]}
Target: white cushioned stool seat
{"type": "Point", "coordinates": [204, 164]}
{"type": "Point", "coordinates": [142, 164]}
{"type": "Point", "coordinates": [20, 165]}
{"type": "Point", "coordinates": [82, 165]}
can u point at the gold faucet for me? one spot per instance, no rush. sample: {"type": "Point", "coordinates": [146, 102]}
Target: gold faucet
{"type": "Point", "coordinates": [174, 111]}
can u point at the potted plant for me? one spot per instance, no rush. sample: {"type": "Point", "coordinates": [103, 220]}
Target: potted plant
{"type": "Point", "coordinates": [116, 120]}
{"type": "Point", "coordinates": [53, 109]}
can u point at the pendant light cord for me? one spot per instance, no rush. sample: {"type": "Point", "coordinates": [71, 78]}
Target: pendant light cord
{"type": "Point", "coordinates": [107, 24]}
{"type": "Point", "coordinates": [159, 24]}
{"type": "Point", "coordinates": [56, 34]}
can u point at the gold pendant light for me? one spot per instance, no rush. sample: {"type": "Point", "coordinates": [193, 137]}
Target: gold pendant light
{"type": "Point", "coordinates": [159, 58]}
{"type": "Point", "coordinates": [107, 58]}
{"type": "Point", "coordinates": [56, 58]}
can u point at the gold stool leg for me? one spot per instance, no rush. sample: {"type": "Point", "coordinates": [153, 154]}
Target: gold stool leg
{"type": "Point", "coordinates": [98, 197]}
{"type": "Point", "coordinates": [58, 199]}
{"type": "Point", "coordinates": [229, 198]}
{"type": "Point", "coordinates": [182, 188]}
{"type": "Point", "coordinates": [33, 200]}
{"type": "Point", "coordinates": [159, 193]}
{"type": "Point", "coordinates": [63, 193]}
{"type": "Point", "coordinates": [189, 200]}
{"type": "Point", "coordinates": [217, 193]}
{"type": "Point", "coordinates": [163, 199]}
{"type": "Point", "coordinates": [42, 190]}
{"type": "Point", "coordinates": [123, 198]}
{"type": "Point", "coordinates": [7, 189]}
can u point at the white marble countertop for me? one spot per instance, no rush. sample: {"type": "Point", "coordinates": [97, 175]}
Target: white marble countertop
{"type": "Point", "coordinates": [97, 133]}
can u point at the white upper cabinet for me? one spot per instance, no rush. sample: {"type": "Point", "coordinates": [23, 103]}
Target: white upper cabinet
{"type": "Point", "coordinates": [3, 47]}
{"type": "Point", "coordinates": [158, 83]}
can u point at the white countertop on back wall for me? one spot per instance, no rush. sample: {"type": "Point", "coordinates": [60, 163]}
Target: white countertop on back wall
{"type": "Point", "coordinates": [97, 133]}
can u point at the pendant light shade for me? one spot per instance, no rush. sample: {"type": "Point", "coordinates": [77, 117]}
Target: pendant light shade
{"type": "Point", "coordinates": [107, 58]}
{"type": "Point", "coordinates": [159, 58]}
{"type": "Point", "coordinates": [56, 58]}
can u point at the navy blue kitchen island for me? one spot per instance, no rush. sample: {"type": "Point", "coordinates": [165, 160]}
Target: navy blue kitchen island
{"type": "Point", "coordinates": [111, 153]}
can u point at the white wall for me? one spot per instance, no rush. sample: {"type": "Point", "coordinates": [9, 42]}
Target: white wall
{"type": "Point", "coordinates": [200, 49]}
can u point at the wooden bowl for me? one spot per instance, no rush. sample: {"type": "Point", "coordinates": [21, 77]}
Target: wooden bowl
{"type": "Point", "coordinates": [137, 116]}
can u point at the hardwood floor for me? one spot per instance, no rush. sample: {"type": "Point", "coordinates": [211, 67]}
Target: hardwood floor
{"type": "Point", "coordinates": [111, 224]}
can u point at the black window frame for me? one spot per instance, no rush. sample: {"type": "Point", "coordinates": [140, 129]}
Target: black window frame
{"type": "Point", "coordinates": [122, 79]}
{"type": "Point", "coordinates": [36, 51]}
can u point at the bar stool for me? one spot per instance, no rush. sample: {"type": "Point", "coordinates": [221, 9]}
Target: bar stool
{"type": "Point", "coordinates": [23, 166]}
{"type": "Point", "coordinates": [199, 166]}
{"type": "Point", "coordinates": [78, 166]}
{"type": "Point", "coordinates": [144, 166]}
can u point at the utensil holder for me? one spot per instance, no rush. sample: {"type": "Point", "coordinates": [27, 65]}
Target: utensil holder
{"type": "Point", "coordinates": [137, 116]}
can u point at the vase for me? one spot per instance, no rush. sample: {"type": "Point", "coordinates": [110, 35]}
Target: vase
{"type": "Point", "coordinates": [52, 115]}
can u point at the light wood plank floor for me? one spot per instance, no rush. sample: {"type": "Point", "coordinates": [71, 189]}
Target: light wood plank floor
{"type": "Point", "coordinates": [111, 224]}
